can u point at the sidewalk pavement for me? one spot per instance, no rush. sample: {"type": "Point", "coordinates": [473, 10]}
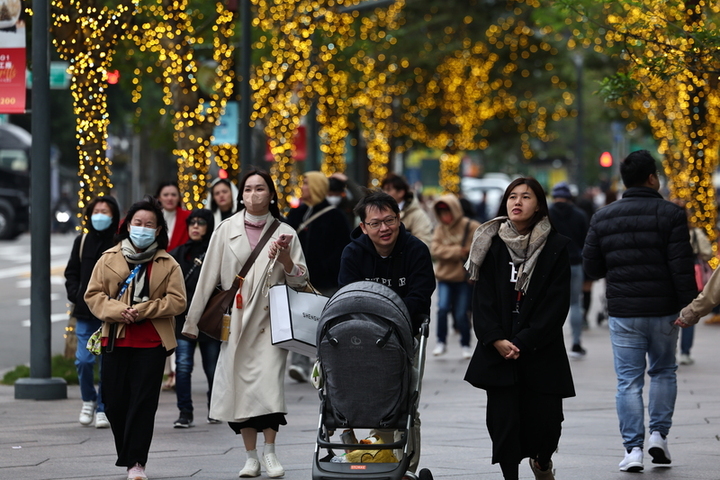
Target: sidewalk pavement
{"type": "Point", "coordinates": [42, 440]}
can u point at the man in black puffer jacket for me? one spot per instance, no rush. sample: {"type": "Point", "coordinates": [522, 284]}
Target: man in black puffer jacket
{"type": "Point", "coordinates": [641, 245]}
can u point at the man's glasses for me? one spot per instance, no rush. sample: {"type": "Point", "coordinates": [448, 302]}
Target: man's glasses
{"type": "Point", "coordinates": [197, 221]}
{"type": "Point", "coordinates": [389, 221]}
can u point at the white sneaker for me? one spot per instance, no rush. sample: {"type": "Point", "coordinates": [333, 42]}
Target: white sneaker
{"type": "Point", "coordinates": [467, 353]}
{"type": "Point", "coordinates": [251, 468]}
{"type": "Point", "coordinates": [633, 461]}
{"type": "Point", "coordinates": [272, 466]}
{"type": "Point", "coordinates": [685, 359]}
{"type": "Point", "coordinates": [87, 413]}
{"type": "Point", "coordinates": [137, 472]}
{"type": "Point", "coordinates": [658, 449]}
{"type": "Point", "coordinates": [101, 420]}
{"type": "Point", "coordinates": [439, 349]}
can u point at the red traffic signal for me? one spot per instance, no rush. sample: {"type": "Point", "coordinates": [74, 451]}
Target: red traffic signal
{"type": "Point", "coordinates": [606, 159]}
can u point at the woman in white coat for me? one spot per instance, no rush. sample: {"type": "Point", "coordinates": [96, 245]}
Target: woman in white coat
{"type": "Point", "coordinates": [248, 390]}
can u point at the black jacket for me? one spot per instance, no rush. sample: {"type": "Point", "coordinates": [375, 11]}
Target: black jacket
{"type": "Point", "coordinates": [538, 330]}
{"type": "Point", "coordinates": [641, 244]}
{"type": "Point", "coordinates": [322, 242]}
{"type": "Point", "coordinates": [78, 271]}
{"type": "Point", "coordinates": [572, 222]}
{"type": "Point", "coordinates": [185, 255]}
{"type": "Point", "coordinates": [408, 271]}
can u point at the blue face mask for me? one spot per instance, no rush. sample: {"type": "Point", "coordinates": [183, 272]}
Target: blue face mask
{"type": "Point", "coordinates": [142, 237]}
{"type": "Point", "coordinates": [100, 221]}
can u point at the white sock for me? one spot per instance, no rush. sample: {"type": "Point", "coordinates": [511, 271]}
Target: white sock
{"type": "Point", "coordinates": [251, 454]}
{"type": "Point", "coordinates": [268, 448]}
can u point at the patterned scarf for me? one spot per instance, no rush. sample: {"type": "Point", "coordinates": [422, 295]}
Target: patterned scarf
{"type": "Point", "coordinates": [134, 257]}
{"type": "Point", "coordinates": [524, 249]}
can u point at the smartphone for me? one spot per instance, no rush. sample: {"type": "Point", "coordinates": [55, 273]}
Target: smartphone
{"type": "Point", "coordinates": [284, 239]}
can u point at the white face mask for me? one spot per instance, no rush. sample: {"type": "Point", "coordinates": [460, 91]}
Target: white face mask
{"type": "Point", "coordinates": [334, 200]}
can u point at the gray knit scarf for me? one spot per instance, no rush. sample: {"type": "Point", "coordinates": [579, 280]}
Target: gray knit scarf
{"type": "Point", "coordinates": [524, 249]}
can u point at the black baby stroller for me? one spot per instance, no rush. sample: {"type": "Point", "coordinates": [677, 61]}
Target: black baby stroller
{"type": "Point", "coordinates": [365, 350]}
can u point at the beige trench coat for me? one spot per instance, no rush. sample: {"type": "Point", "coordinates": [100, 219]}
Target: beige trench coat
{"type": "Point", "coordinates": [249, 377]}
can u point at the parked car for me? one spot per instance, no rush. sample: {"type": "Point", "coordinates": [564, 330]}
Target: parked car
{"type": "Point", "coordinates": [15, 145]}
{"type": "Point", "coordinates": [491, 187]}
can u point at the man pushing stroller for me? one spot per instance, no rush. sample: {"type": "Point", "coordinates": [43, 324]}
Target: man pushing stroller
{"type": "Point", "coordinates": [382, 251]}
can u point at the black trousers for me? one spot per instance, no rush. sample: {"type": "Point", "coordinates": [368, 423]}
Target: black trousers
{"type": "Point", "coordinates": [131, 382]}
{"type": "Point", "coordinates": [523, 423]}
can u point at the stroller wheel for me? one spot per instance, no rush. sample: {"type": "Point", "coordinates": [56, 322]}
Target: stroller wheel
{"type": "Point", "coordinates": [425, 474]}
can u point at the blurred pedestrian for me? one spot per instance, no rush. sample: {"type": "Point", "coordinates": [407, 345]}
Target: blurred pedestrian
{"type": "Point", "coordinates": [248, 389]}
{"type": "Point", "coordinates": [223, 199]}
{"type": "Point", "coordinates": [572, 222]}
{"type": "Point", "coordinates": [450, 248]}
{"type": "Point", "coordinates": [102, 217]}
{"type": "Point", "coordinates": [168, 194]}
{"type": "Point", "coordinates": [323, 233]}
{"type": "Point", "coordinates": [521, 298]}
{"type": "Point", "coordinates": [416, 221]}
{"type": "Point", "coordinates": [136, 289]}
{"type": "Point", "coordinates": [190, 257]}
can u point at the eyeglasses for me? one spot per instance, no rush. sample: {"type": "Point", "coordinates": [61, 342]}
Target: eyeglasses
{"type": "Point", "coordinates": [198, 221]}
{"type": "Point", "coordinates": [389, 221]}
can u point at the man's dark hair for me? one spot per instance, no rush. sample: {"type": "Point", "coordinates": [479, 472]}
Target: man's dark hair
{"type": "Point", "coordinates": [537, 189]}
{"type": "Point", "coordinates": [637, 167]}
{"type": "Point", "coordinates": [398, 183]}
{"type": "Point", "coordinates": [151, 204]}
{"type": "Point", "coordinates": [336, 185]}
{"type": "Point", "coordinates": [375, 199]}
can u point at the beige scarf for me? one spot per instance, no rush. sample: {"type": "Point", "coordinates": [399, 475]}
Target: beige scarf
{"type": "Point", "coordinates": [524, 249]}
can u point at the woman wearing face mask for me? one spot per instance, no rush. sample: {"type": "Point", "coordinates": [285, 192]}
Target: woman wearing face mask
{"type": "Point", "coordinates": [102, 216]}
{"type": "Point", "coordinates": [248, 388]}
{"type": "Point", "coordinates": [136, 289]}
{"type": "Point", "coordinates": [223, 199]}
{"type": "Point", "coordinates": [521, 297]}
{"type": "Point", "coordinates": [168, 194]}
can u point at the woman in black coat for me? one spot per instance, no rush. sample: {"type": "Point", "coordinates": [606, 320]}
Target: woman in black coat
{"type": "Point", "coordinates": [102, 217]}
{"type": "Point", "coordinates": [520, 301]}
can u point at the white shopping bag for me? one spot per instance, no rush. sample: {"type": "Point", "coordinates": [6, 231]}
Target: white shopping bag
{"type": "Point", "coordinates": [294, 318]}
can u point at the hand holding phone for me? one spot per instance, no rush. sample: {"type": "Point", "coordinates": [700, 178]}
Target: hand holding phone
{"type": "Point", "coordinates": [284, 240]}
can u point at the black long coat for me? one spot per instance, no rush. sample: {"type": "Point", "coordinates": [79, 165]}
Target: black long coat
{"type": "Point", "coordinates": [543, 363]}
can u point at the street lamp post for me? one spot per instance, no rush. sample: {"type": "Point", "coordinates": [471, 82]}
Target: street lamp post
{"type": "Point", "coordinates": [40, 386]}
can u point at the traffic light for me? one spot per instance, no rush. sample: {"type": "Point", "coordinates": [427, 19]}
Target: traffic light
{"type": "Point", "coordinates": [606, 159]}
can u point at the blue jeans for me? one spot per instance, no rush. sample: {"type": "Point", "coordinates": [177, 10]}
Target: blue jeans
{"type": "Point", "coordinates": [576, 313]}
{"type": "Point", "coordinates": [454, 297]}
{"type": "Point", "coordinates": [686, 339]}
{"type": "Point", "coordinates": [85, 361]}
{"type": "Point", "coordinates": [632, 340]}
{"type": "Point", "coordinates": [184, 362]}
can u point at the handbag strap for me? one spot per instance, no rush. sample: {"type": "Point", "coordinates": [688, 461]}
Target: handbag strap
{"type": "Point", "coordinates": [313, 217]}
{"type": "Point", "coordinates": [256, 251]}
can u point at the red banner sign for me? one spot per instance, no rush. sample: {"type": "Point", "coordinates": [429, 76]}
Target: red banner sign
{"type": "Point", "coordinates": [12, 57]}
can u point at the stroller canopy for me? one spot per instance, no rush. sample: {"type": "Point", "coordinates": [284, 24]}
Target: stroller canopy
{"type": "Point", "coordinates": [369, 298]}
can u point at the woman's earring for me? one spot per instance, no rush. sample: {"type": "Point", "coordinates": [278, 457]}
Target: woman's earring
{"type": "Point", "coordinates": [272, 201]}
{"type": "Point", "coordinates": [241, 202]}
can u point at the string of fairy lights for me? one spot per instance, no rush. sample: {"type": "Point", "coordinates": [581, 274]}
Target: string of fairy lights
{"type": "Point", "coordinates": [677, 90]}
{"type": "Point", "coordinates": [85, 34]}
{"type": "Point", "coordinates": [171, 31]}
{"type": "Point", "coordinates": [300, 41]}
